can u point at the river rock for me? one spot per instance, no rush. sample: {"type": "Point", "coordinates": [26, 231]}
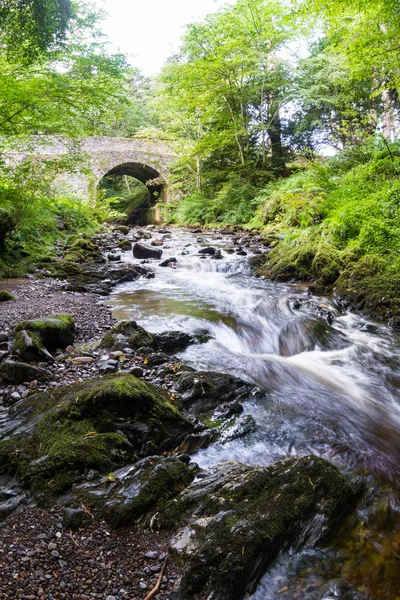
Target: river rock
{"type": "Point", "coordinates": [173, 341]}
{"type": "Point", "coordinates": [140, 251]}
{"type": "Point", "coordinates": [204, 391]}
{"type": "Point", "coordinates": [169, 262]}
{"type": "Point", "coordinates": [209, 250]}
{"type": "Point", "coordinates": [235, 519]}
{"type": "Point", "coordinates": [157, 242]}
{"type": "Point", "coordinates": [122, 229]}
{"type": "Point", "coordinates": [56, 331]}
{"type": "Point", "coordinates": [6, 296]}
{"type": "Point", "coordinates": [114, 257]}
{"type": "Point", "coordinates": [133, 491]}
{"type": "Point", "coordinates": [101, 424]}
{"type": "Point", "coordinates": [125, 245]}
{"type": "Point", "coordinates": [19, 372]}
{"type": "Point", "coordinates": [29, 347]}
{"type": "Point", "coordinates": [130, 334]}
{"type": "Point", "coordinates": [140, 234]}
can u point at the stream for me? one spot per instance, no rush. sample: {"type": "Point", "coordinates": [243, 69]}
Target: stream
{"type": "Point", "coordinates": [331, 380]}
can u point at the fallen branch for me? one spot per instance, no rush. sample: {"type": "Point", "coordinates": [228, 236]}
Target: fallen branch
{"type": "Point", "coordinates": [157, 586]}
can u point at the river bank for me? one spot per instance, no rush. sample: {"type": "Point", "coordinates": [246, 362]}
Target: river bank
{"type": "Point", "coordinates": [244, 370]}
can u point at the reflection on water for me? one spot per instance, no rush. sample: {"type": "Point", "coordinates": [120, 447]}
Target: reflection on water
{"type": "Point", "coordinates": [331, 383]}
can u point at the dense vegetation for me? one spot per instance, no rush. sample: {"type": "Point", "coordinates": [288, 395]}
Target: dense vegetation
{"type": "Point", "coordinates": [248, 105]}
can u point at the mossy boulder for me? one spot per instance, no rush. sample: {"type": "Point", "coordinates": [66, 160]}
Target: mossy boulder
{"type": "Point", "coordinates": [20, 372]}
{"type": "Point", "coordinates": [125, 245]}
{"type": "Point", "coordinates": [56, 331]}
{"type": "Point", "coordinates": [122, 229]}
{"type": "Point", "coordinates": [130, 492]}
{"type": "Point", "coordinates": [64, 269]}
{"type": "Point", "coordinates": [6, 296]}
{"type": "Point", "coordinates": [235, 519]}
{"type": "Point", "coordinates": [29, 347]}
{"type": "Point", "coordinates": [127, 333]}
{"type": "Point", "coordinates": [100, 424]}
{"type": "Point", "coordinates": [81, 249]}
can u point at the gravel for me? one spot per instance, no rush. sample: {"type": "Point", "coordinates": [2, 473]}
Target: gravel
{"type": "Point", "coordinates": [36, 563]}
{"type": "Point", "coordinates": [35, 298]}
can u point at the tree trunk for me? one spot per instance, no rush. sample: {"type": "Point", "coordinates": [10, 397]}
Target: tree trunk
{"type": "Point", "coordinates": [275, 137]}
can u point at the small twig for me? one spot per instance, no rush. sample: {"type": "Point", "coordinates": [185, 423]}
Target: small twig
{"type": "Point", "coordinates": [73, 539]}
{"type": "Point", "coordinates": [157, 586]}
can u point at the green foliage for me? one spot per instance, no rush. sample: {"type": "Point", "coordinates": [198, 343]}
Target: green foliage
{"type": "Point", "coordinates": [221, 98]}
{"type": "Point", "coordinates": [31, 27]}
{"type": "Point", "coordinates": [234, 204]}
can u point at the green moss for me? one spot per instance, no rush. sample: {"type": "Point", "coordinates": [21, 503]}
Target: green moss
{"type": "Point", "coordinates": [137, 336]}
{"type": "Point", "coordinates": [108, 340]}
{"type": "Point", "coordinates": [373, 284]}
{"type": "Point", "coordinates": [59, 452]}
{"type": "Point", "coordinates": [81, 249]}
{"type": "Point", "coordinates": [76, 430]}
{"type": "Point", "coordinates": [54, 331]}
{"type": "Point", "coordinates": [6, 296]}
{"type": "Point", "coordinates": [125, 245]}
{"type": "Point", "coordinates": [327, 264]}
{"type": "Point", "coordinates": [65, 269]}
{"type": "Point", "coordinates": [286, 262]}
{"type": "Point", "coordinates": [29, 347]}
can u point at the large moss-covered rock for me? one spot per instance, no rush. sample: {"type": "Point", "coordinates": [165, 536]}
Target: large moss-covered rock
{"type": "Point", "coordinates": [64, 269]}
{"type": "Point", "coordinates": [127, 333]}
{"type": "Point", "coordinates": [56, 331]}
{"type": "Point", "coordinates": [6, 296]}
{"type": "Point", "coordinates": [29, 347]}
{"type": "Point", "coordinates": [81, 249]}
{"type": "Point", "coordinates": [20, 372]}
{"type": "Point", "coordinates": [130, 492]}
{"type": "Point", "coordinates": [99, 424]}
{"type": "Point", "coordinates": [235, 519]}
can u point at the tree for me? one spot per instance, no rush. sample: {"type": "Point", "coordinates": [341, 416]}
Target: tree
{"type": "Point", "coordinates": [334, 107]}
{"type": "Point", "coordinates": [30, 27]}
{"type": "Point", "coordinates": [225, 91]}
{"type": "Point", "coordinates": [367, 34]}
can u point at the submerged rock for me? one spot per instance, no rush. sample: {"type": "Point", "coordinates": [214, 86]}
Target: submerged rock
{"type": "Point", "coordinates": [235, 519]}
{"type": "Point", "coordinates": [204, 391]}
{"type": "Point", "coordinates": [56, 331]}
{"type": "Point", "coordinates": [299, 335]}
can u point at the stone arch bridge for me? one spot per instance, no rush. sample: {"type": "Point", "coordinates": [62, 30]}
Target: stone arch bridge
{"type": "Point", "coordinates": [148, 161]}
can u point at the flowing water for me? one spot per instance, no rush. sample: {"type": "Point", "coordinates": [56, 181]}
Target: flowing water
{"type": "Point", "coordinates": [331, 381]}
